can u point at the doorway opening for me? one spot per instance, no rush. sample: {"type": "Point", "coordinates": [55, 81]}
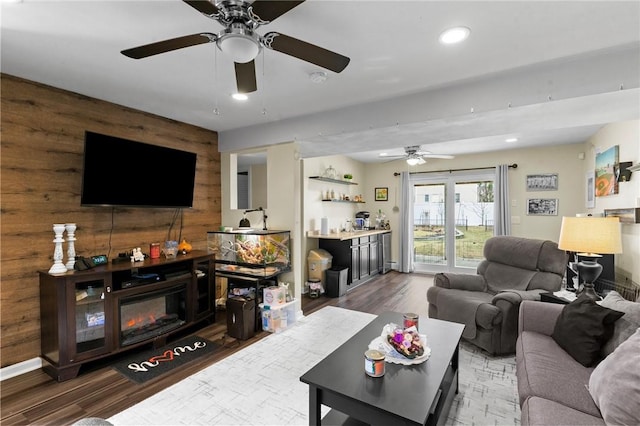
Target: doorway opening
{"type": "Point", "coordinates": [452, 219]}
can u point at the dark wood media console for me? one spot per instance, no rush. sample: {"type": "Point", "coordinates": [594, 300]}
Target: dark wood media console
{"type": "Point", "coordinates": [87, 315]}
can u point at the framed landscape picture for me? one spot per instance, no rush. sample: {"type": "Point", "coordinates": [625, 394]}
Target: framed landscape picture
{"type": "Point", "coordinates": [382, 194]}
{"type": "Point", "coordinates": [542, 206]}
{"type": "Point", "coordinates": [606, 165]}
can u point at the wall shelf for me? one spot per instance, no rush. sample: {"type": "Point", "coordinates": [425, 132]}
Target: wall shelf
{"type": "Point", "coordinates": [324, 179]}
{"type": "Point", "coordinates": [344, 201]}
{"type": "Point", "coordinates": [630, 215]}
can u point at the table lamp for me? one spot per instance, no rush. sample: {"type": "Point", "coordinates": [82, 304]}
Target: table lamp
{"type": "Point", "coordinates": [590, 238]}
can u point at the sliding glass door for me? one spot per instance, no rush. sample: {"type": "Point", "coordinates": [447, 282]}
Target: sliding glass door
{"type": "Point", "coordinates": [452, 218]}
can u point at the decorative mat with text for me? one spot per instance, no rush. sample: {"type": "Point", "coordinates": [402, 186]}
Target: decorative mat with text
{"type": "Point", "coordinates": [147, 365]}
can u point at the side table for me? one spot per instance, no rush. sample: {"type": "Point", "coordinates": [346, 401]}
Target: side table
{"type": "Point", "coordinates": [551, 298]}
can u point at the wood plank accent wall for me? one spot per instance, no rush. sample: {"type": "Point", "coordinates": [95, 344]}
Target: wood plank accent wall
{"type": "Point", "coordinates": [42, 142]}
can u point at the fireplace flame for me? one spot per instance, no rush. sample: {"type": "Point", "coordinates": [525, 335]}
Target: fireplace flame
{"type": "Point", "coordinates": [141, 320]}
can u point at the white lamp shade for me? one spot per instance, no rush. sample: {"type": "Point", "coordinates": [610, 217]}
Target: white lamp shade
{"type": "Point", "coordinates": [594, 235]}
{"type": "Point", "coordinates": [412, 161]}
{"type": "Point", "coordinates": [415, 160]}
{"type": "Point", "coordinates": [241, 48]}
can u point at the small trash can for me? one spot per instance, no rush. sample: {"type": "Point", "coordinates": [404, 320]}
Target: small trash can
{"type": "Point", "coordinates": [315, 288]}
{"type": "Point", "coordinates": [319, 261]}
{"type": "Point", "coordinates": [337, 281]}
{"type": "Point", "coordinates": [241, 317]}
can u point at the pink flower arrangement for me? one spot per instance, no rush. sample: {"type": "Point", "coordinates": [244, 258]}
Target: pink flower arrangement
{"type": "Point", "coordinates": [406, 342]}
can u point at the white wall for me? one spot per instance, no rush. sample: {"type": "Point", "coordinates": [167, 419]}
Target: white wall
{"type": "Point", "coordinates": [314, 209]}
{"type": "Point", "coordinates": [337, 213]}
{"type": "Point", "coordinates": [283, 204]}
{"type": "Point", "coordinates": [294, 201]}
{"type": "Point", "coordinates": [259, 187]}
{"type": "Point", "coordinates": [562, 159]}
{"type": "Point", "coordinates": [627, 136]}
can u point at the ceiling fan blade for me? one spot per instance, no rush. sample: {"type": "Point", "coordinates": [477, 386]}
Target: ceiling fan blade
{"type": "Point", "coordinates": [203, 6]}
{"type": "Point", "coordinates": [169, 45]}
{"type": "Point", "coordinates": [307, 52]}
{"type": "Point", "coordinates": [443, 156]}
{"type": "Point", "coordinates": [246, 77]}
{"type": "Point", "coordinates": [268, 10]}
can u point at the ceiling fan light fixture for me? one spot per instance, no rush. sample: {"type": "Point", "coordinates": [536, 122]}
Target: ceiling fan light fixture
{"type": "Point", "coordinates": [454, 35]}
{"type": "Point", "coordinates": [242, 48]}
{"type": "Point", "coordinates": [415, 161]}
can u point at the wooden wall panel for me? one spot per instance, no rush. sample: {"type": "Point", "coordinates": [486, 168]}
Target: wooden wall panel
{"type": "Point", "coordinates": [42, 142]}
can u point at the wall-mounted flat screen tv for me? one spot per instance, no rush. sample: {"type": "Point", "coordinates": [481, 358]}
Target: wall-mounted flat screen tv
{"type": "Point", "coordinates": [121, 172]}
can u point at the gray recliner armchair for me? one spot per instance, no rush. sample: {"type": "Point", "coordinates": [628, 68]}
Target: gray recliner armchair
{"type": "Point", "coordinates": [514, 269]}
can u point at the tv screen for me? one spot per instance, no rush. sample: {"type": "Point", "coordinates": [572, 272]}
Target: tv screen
{"type": "Point", "coordinates": [121, 172]}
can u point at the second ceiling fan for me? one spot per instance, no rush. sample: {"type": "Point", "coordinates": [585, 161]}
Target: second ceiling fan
{"type": "Point", "coordinates": [415, 156]}
{"type": "Point", "coordinates": [238, 38]}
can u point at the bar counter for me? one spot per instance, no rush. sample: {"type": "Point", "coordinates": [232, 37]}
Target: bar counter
{"type": "Point", "coordinates": [342, 236]}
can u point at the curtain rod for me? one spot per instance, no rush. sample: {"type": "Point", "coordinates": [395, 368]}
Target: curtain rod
{"type": "Point", "coordinates": [511, 166]}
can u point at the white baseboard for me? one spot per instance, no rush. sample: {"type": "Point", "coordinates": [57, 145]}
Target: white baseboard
{"type": "Point", "coordinates": [20, 368]}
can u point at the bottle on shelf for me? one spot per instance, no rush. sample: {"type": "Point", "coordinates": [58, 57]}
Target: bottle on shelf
{"type": "Point", "coordinates": [330, 173]}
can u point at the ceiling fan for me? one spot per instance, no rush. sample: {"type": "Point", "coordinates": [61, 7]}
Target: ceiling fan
{"type": "Point", "coordinates": [239, 40]}
{"type": "Point", "coordinates": [415, 156]}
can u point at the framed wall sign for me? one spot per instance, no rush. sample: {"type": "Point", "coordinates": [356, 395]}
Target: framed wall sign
{"type": "Point", "coordinates": [542, 182]}
{"type": "Point", "coordinates": [542, 206]}
{"type": "Point", "coordinates": [382, 194]}
{"type": "Point", "coordinates": [590, 194]}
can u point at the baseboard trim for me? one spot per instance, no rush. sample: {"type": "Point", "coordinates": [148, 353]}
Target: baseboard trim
{"type": "Point", "coordinates": [20, 368]}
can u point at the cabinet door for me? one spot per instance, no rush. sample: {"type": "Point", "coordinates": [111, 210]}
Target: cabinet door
{"type": "Point", "coordinates": [89, 317]}
{"type": "Point", "coordinates": [373, 258]}
{"type": "Point", "coordinates": [355, 261]}
{"type": "Point", "coordinates": [364, 260]}
{"type": "Point", "coordinates": [204, 289]}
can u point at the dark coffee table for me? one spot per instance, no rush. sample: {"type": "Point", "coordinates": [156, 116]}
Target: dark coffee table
{"type": "Point", "coordinates": [406, 395]}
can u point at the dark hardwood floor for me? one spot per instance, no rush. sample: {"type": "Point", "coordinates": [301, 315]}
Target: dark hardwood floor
{"type": "Point", "coordinates": [100, 391]}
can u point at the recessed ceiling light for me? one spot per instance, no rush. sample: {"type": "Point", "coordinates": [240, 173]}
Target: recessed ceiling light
{"type": "Point", "coordinates": [383, 154]}
{"type": "Point", "coordinates": [454, 35]}
{"type": "Point", "coordinates": [510, 140]}
{"type": "Point", "coordinates": [239, 96]}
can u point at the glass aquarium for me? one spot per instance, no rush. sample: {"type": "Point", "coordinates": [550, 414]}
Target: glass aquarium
{"type": "Point", "coordinates": [251, 252]}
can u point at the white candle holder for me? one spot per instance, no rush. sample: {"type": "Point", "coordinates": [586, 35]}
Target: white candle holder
{"type": "Point", "coordinates": [71, 250]}
{"type": "Point", "coordinates": [58, 267]}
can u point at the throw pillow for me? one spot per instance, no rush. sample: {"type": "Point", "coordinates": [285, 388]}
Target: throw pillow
{"type": "Point", "coordinates": [614, 384]}
{"type": "Point", "coordinates": [582, 329]}
{"type": "Point", "coordinates": [625, 326]}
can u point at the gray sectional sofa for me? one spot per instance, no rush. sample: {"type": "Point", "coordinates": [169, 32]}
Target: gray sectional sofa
{"type": "Point", "coordinates": [555, 389]}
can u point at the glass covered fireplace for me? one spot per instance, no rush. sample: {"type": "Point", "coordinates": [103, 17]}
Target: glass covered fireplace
{"type": "Point", "coordinates": [151, 314]}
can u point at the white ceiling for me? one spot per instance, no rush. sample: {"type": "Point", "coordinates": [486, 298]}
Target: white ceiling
{"type": "Point", "coordinates": [547, 71]}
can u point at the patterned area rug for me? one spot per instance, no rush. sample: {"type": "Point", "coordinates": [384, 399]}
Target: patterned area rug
{"type": "Point", "coordinates": [488, 390]}
{"type": "Point", "coordinates": [260, 385]}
